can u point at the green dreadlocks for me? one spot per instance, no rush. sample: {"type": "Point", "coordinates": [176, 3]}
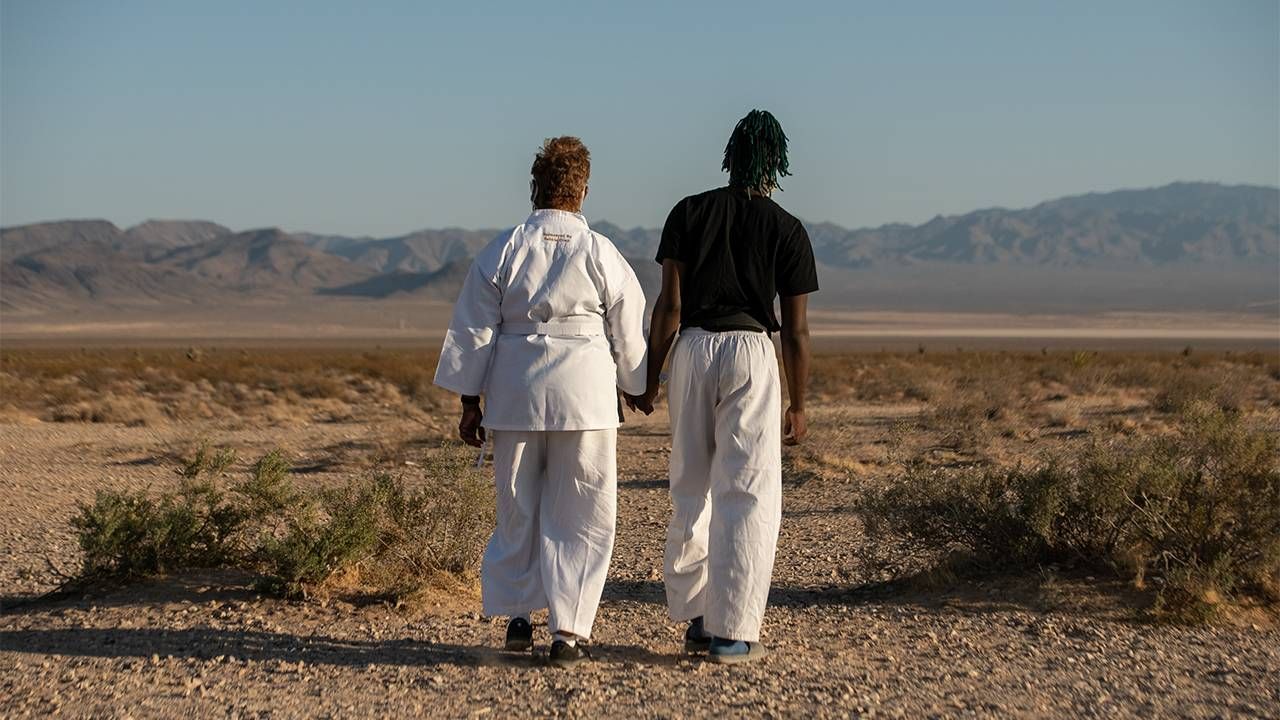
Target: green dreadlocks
{"type": "Point", "coordinates": [756, 155]}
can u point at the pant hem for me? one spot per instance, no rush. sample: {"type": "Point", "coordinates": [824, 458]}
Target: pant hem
{"type": "Point", "coordinates": [727, 635]}
{"type": "Point", "coordinates": [684, 616]}
{"type": "Point", "coordinates": [579, 634]}
{"type": "Point", "coordinates": [510, 612]}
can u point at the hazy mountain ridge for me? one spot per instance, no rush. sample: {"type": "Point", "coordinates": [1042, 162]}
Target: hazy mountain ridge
{"type": "Point", "coordinates": [266, 259]}
{"type": "Point", "coordinates": [23, 240]}
{"type": "Point", "coordinates": [424, 251]}
{"type": "Point", "coordinates": [64, 263]}
{"type": "Point", "coordinates": [162, 235]}
{"type": "Point", "coordinates": [441, 284]}
{"type": "Point", "coordinates": [1169, 231]}
{"type": "Point", "coordinates": [1178, 223]}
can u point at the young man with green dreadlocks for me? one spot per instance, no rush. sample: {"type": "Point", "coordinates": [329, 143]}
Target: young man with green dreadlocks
{"type": "Point", "coordinates": [726, 255]}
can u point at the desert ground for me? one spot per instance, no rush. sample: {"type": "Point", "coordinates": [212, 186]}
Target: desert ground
{"type": "Point", "coordinates": [859, 623]}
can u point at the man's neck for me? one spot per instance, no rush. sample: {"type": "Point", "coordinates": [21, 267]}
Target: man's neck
{"type": "Point", "coordinates": [750, 190]}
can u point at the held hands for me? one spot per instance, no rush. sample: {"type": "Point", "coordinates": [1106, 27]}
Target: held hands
{"type": "Point", "coordinates": [469, 428]}
{"type": "Point", "coordinates": [794, 426]}
{"type": "Point", "coordinates": [642, 403]}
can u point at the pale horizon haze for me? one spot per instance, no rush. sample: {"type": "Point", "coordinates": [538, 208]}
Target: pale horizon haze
{"type": "Point", "coordinates": [383, 119]}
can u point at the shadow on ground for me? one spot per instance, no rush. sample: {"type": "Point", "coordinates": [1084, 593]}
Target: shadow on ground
{"type": "Point", "coordinates": [206, 643]}
{"type": "Point", "coordinates": [1069, 594]}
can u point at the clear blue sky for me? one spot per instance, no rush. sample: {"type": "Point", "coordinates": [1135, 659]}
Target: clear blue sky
{"type": "Point", "coordinates": [348, 118]}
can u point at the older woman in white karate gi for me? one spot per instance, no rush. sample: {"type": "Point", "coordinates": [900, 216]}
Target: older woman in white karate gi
{"type": "Point", "coordinates": [548, 327]}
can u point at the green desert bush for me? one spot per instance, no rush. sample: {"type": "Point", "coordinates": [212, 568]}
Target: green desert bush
{"type": "Point", "coordinates": [383, 534]}
{"type": "Point", "coordinates": [1195, 514]}
{"type": "Point", "coordinates": [131, 534]}
{"type": "Point", "coordinates": [323, 536]}
{"type": "Point", "coordinates": [207, 463]}
{"type": "Point", "coordinates": [389, 536]}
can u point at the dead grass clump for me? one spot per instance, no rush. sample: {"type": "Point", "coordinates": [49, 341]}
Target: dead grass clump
{"type": "Point", "coordinates": [12, 415]}
{"type": "Point", "coordinates": [319, 385]}
{"type": "Point", "coordinates": [926, 389]}
{"type": "Point", "coordinates": [963, 423]}
{"type": "Point", "coordinates": [1063, 414]}
{"type": "Point", "coordinates": [393, 537]}
{"type": "Point", "coordinates": [833, 448]}
{"type": "Point", "coordinates": [1187, 386]}
{"type": "Point", "coordinates": [880, 377]}
{"type": "Point", "coordinates": [1195, 514]}
{"type": "Point", "coordinates": [132, 411]}
{"type": "Point", "coordinates": [969, 416]}
{"type": "Point", "coordinates": [331, 410]}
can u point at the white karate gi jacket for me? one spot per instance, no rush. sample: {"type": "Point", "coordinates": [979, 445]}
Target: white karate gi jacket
{"type": "Point", "coordinates": [549, 324]}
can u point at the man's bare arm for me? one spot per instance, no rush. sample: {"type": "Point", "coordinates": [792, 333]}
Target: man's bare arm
{"type": "Point", "coordinates": [663, 325]}
{"type": "Point", "coordinates": [795, 361]}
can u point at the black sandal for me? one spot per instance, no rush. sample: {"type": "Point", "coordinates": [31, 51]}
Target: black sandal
{"type": "Point", "coordinates": [519, 635]}
{"type": "Point", "coordinates": [564, 655]}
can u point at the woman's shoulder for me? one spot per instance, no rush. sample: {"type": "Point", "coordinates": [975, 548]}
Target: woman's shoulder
{"type": "Point", "coordinates": [490, 256]}
{"type": "Point", "coordinates": [601, 246]}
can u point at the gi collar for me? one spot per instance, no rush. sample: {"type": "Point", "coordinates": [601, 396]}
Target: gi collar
{"type": "Point", "coordinates": [550, 216]}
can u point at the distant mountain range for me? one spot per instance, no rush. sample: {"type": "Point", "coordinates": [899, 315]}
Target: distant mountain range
{"type": "Point", "coordinates": [1115, 244]}
{"type": "Point", "coordinates": [1179, 223]}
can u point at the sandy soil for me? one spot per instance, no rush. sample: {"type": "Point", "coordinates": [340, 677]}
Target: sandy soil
{"type": "Point", "coordinates": [843, 642]}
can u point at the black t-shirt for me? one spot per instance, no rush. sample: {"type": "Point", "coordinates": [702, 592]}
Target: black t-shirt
{"type": "Point", "coordinates": [739, 253]}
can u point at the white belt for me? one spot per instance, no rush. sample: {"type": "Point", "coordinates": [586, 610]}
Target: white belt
{"type": "Point", "coordinates": [586, 327]}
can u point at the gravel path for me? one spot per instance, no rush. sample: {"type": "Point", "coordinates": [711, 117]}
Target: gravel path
{"type": "Point", "coordinates": [203, 646]}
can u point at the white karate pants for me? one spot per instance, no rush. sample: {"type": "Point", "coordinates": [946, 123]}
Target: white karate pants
{"type": "Point", "coordinates": [557, 511]}
{"type": "Point", "coordinates": [726, 480]}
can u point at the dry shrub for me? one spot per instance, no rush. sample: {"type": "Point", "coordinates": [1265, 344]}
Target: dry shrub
{"type": "Point", "coordinates": [832, 448]}
{"type": "Point", "coordinates": [962, 422]}
{"type": "Point", "coordinates": [132, 411]}
{"type": "Point", "coordinates": [383, 536]}
{"type": "Point", "coordinates": [395, 538]}
{"type": "Point", "coordinates": [10, 415]}
{"type": "Point", "coordinates": [879, 377]}
{"type": "Point", "coordinates": [331, 410]}
{"type": "Point", "coordinates": [128, 535]}
{"type": "Point", "coordinates": [969, 416]}
{"type": "Point", "coordinates": [1065, 414]}
{"type": "Point", "coordinates": [1197, 513]}
{"type": "Point", "coordinates": [1187, 386]}
{"type": "Point", "coordinates": [926, 389]}
{"type": "Point", "coordinates": [1181, 390]}
{"type": "Point", "coordinates": [319, 385]}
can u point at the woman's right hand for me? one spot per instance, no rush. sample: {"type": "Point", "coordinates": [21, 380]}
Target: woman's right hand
{"type": "Point", "coordinates": [469, 427]}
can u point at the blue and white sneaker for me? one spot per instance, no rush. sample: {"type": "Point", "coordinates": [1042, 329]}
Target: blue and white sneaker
{"type": "Point", "coordinates": [696, 639]}
{"type": "Point", "coordinates": [735, 652]}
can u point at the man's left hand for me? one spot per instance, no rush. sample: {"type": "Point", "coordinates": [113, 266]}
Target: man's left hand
{"type": "Point", "coordinates": [794, 426]}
